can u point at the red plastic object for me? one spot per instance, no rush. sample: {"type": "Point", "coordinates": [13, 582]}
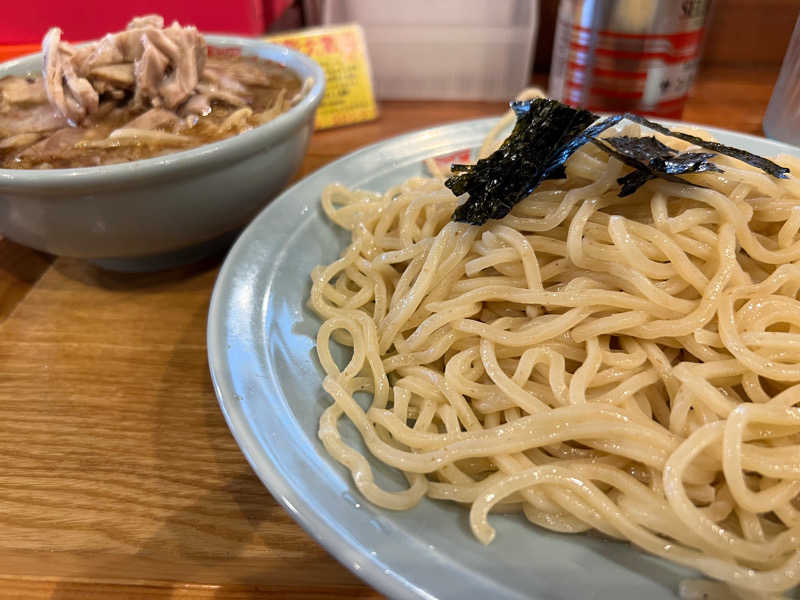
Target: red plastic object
{"type": "Point", "coordinates": [15, 50]}
{"type": "Point", "coordinates": [26, 22]}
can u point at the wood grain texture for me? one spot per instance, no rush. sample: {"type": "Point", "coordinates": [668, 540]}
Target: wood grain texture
{"type": "Point", "coordinates": [20, 269]}
{"type": "Point", "coordinates": [16, 589]}
{"type": "Point", "coordinates": [743, 33]}
{"type": "Point", "coordinates": [118, 476]}
{"type": "Point", "coordinates": [732, 98]}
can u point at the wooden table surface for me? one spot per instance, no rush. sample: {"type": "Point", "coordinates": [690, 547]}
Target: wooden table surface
{"type": "Point", "coordinates": [118, 476]}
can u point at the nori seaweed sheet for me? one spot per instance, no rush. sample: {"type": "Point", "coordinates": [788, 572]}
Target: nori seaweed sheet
{"type": "Point", "coordinates": [527, 156]}
{"type": "Point", "coordinates": [548, 132]}
{"type": "Point", "coordinates": [652, 159]}
{"type": "Point", "coordinates": [764, 164]}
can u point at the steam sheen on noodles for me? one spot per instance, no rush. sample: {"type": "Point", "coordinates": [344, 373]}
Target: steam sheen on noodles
{"type": "Point", "coordinates": [628, 365]}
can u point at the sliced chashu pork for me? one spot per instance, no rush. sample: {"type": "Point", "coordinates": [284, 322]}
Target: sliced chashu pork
{"type": "Point", "coordinates": [166, 65]}
{"type": "Point", "coordinates": [21, 91]}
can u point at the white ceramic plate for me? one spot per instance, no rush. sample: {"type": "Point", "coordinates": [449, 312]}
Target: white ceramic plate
{"type": "Point", "coordinates": [268, 381]}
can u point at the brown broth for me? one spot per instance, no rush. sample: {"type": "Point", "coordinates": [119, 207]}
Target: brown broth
{"type": "Point", "coordinates": [89, 145]}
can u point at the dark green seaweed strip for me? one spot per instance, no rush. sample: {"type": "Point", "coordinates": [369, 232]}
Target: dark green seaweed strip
{"type": "Point", "coordinates": [561, 156]}
{"type": "Point", "coordinates": [687, 162]}
{"type": "Point", "coordinates": [661, 157]}
{"type": "Point", "coordinates": [633, 181]}
{"type": "Point", "coordinates": [644, 148]}
{"type": "Point", "coordinates": [496, 183]}
{"type": "Point", "coordinates": [547, 133]}
{"type": "Point", "coordinates": [658, 159]}
{"type": "Point", "coordinates": [764, 164]}
{"type": "Point", "coordinates": [646, 172]}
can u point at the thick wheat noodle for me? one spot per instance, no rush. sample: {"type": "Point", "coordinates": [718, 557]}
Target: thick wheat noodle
{"type": "Point", "coordinates": [630, 365]}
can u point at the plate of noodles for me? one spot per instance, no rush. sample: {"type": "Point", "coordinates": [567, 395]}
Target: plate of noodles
{"type": "Point", "coordinates": [593, 397]}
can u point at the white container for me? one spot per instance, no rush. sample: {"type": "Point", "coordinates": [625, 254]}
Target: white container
{"type": "Point", "coordinates": [444, 49]}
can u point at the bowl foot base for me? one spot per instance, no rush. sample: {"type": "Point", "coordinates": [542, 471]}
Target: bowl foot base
{"type": "Point", "coordinates": [167, 260]}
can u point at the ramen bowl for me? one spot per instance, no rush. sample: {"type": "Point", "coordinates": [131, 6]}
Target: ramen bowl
{"type": "Point", "coordinates": [160, 212]}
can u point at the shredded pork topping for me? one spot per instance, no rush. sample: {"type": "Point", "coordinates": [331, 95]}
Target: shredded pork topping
{"type": "Point", "coordinates": [162, 66]}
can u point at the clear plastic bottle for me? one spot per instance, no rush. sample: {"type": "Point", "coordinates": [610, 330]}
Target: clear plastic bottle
{"type": "Point", "coordinates": [782, 119]}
